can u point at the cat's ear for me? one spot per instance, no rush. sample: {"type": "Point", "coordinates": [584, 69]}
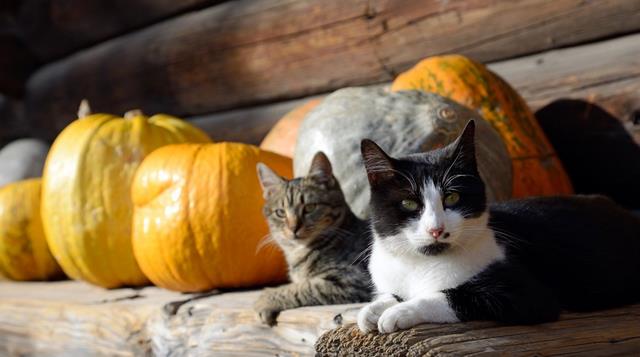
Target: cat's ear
{"type": "Point", "coordinates": [378, 164]}
{"type": "Point", "coordinates": [320, 165]}
{"type": "Point", "coordinates": [464, 147]}
{"type": "Point", "coordinates": [321, 169]}
{"type": "Point", "coordinates": [269, 180]}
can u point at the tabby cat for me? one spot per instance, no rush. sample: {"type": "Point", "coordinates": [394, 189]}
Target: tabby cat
{"type": "Point", "coordinates": [442, 254]}
{"type": "Point", "coordinates": [324, 243]}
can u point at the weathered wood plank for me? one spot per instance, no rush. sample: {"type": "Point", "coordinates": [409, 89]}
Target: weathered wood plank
{"type": "Point", "coordinates": [605, 333]}
{"type": "Point", "coordinates": [56, 28]}
{"type": "Point", "coordinates": [606, 73]}
{"type": "Point", "coordinates": [73, 318]}
{"type": "Point", "coordinates": [245, 53]}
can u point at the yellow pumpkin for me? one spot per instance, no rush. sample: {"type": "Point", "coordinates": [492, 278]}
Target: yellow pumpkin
{"type": "Point", "coordinates": [536, 168]}
{"type": "Point", "coordinates": [24, 253]}
{"type": "Point", "coordinates": [281, 139]}
{"type": "Point", "coordinates": [86, 202]}
{"type": "Point", "coordinates": [198, 220]}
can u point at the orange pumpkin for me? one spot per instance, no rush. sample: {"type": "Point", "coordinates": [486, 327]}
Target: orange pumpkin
{"type": "Point", "coordinates": [198, 219]}
{"type": "Point", "coordinates": [281, 139]}
{"type": "Point", "coordinates": [536, 168]}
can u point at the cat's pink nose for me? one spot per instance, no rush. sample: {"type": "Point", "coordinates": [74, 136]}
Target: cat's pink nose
{"type": "Point", "coordinates": [436, 232]}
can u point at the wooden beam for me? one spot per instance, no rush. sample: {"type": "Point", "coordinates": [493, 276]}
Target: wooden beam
{"type": "Point", "coordinates": [604, 333]}
{"type": "Point", "coordinates": [73, 318]}
{"type": "Point", "coordinates": [245, 125]}
{"type": "Point", "coordinates": [56, 28]}
{"type": "Point", "coordinates": [606, 73]}
{"type": "Point", "coordinates": [16, 64]}
{"type": "Point", "coordinates": [13, 123]}
{"type": "Point", "coordinates": [245, 53]}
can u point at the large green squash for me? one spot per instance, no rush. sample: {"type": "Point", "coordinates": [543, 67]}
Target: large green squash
{"type": "Point", "coordinates": [401, 123]}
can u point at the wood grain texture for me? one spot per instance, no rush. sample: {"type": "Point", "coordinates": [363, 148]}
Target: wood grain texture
{"type": "Point", "coordinates": [75, 319]}
{"type": "Point", "coordinates": [245, 53]}
{"type": "Point", "coordinates": [606, 73]}
{"type": "Point", "coordinates": [605, 333]}
{"type": "Point", "coordinates": [56, 28]}
{"type": "Point", "coordinates": [245, 125]}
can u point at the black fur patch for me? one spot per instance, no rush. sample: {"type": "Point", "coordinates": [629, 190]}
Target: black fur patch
{"type": "Point", "coordinates": [434, 249]}
{"type": "Point", "coordinates": [576, 253]}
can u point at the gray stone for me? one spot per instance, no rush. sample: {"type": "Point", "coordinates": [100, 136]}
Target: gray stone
{"type": "Point", "coordinates": [22, 159]}
{"type": "Point", "coordinates": [401, 123]}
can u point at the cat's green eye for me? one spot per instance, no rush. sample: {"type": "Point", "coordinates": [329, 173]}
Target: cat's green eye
{"type": "Point", "coordinates": [280, 213]}
{"type": "Point", "coordinates": [451, 199]}
{"type": "Point", "coordinates": [409, 205]}
{"type": "Point", "coordinates": [310, 208]}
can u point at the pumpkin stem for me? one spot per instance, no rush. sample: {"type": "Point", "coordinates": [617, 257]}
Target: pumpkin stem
{"type": "Point", "coordinates": [84, 109]}
{"type": "Point", "coordinates": [133, 113]}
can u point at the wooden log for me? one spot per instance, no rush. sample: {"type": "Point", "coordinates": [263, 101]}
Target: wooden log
{"type": "Point", "coordinates": [605, 333]}
{"type": "Point", "coordinates": [245, 125]}
{"type": "Point", "coordinates": [73, 318]}
{"type": "Point", "coordinates": [16, 64]}
{"type": "Point", "coordinates": [606, 73]}
{"type": "Point", "coordinates": [13, 124]}
{"type": "Point", "coordinates": [56, 28]}
{"type": "Point", "coordinates": [245, 53]}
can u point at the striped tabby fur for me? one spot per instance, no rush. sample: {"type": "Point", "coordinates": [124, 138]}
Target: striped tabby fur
{"type": "Point", "coordinates": [324, 243]}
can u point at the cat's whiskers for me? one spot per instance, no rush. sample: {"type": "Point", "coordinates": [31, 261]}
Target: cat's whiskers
{"type": "Point", "coordinates": [449, 179]}
{"type": "Point", "coordinates": [266, 241]}
{"type": "Point", "coordinates": [448, 170]}
{"type": "Point", "coordinates": [365, 254]}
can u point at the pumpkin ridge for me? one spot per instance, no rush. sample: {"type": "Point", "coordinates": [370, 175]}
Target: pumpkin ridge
{"type": "Point", "coordinates": [103, 242]}
{"type": "Point", "coordinates": [74, 247]}
{"type": "Point", "coordinates": [176, 126]}
{"type": "Point", "coordinates": [171, 277]}
{"type": "Point", "coordinates": [188, 215]}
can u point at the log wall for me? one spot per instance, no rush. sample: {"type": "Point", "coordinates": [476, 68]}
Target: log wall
{"type": "Point", "coordinates": [245, 53]}
{"type": "Point", "coordinates": [605, 73]}
{"type": "Point", "coordinates": [53, 29]}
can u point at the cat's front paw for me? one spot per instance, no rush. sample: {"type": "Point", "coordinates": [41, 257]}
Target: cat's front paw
{"type": "Point", "coordinates": [265, 308]}
{"type": "Point", "coordinates": [269, 316]}
{"type": "Point", "coordinates": [398, 317]}
{"type": "Point", "coordinates": [369, 315]}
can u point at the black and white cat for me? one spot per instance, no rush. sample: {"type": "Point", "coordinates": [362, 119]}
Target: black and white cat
{"type": "Point", "coordinates": [441, 254]}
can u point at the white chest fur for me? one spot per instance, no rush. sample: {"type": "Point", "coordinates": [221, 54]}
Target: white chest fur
{"type": "Point", "coordinates": [412, 274]}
